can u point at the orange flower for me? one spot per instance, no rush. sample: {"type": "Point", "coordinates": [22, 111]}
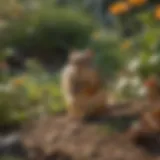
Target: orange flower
{"type": "Point", "coordinates": [119, 8]}
{"type": "Point", "coordinates": [18, 81]}
{"type": "Point", "coordinates": [126, 44]}
{"type": "Point", "coordinates": [17, 11]}
{"type": "Point", "coordinates": [136, 2]}
{"type": "Point", "coordinates": [157, 12]}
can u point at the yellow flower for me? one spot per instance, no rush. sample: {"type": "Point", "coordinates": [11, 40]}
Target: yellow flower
{"type": "Point", "coordinates": [96, 35]}
{"type": "Point", "coordinates": [119, 8]}
{"type": "Point", "coordinates": [157, 12]}
{"type": "Point", "coordinates": [136, 2]}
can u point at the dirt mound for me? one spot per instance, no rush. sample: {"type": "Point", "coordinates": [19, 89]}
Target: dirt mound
{"type": "Point", "coordinates": [59, 138]}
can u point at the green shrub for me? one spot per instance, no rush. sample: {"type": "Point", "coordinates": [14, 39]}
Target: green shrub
{"type": "Point", "coordinates": [143, 59]}
{"type": "Point", "coordinates": [12, 105]}
{"type": "Point", "coordinates": [10, 158]}
{"type": "Point", "coordinates": [26, 97]}
{"type": "Point", "coordinates": [109, 57]}
{"type": "Point", "coordinates": [29, 95]}
{"type": "Point", "coordinates": [44, 31]}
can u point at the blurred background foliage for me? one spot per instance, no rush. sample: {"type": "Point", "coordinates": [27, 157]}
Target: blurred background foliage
{"type": "Point", "coordinates": [36, 37]}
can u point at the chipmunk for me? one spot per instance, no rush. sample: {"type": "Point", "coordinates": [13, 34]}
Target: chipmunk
{"type": "Point", "coordinates": [82, 86]}
{"type": "Point", "coordinates": [153, 88]}
{"type": "Point", "coordinates": [148, 124]}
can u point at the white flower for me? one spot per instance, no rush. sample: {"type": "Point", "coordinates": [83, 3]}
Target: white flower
{"type": "Point", "coordinates": [34, 5]}
{"type": "Point", "coordinates": [123, 81]}
{"type": "Point", "coordinates": [142, 91]}
{"type": "Point", "coordinates": [45, 77]}
{"type": "Point", "coordinates": [135, 81]}
{"type": "Point", "coordinates": [6, 88]}
{"type": "Point", "coordinates": [136, 125]}
{"type": "Point", "coordinates": [9, 51]}
{"type": "Point", "coordinates": [30, 30]}
{"type": "Point", "coordinates": [134, 64]}
{"type": "Point", "coordinates": [3, 24]}
{"type": "Point", "coordinates": [154, 59]}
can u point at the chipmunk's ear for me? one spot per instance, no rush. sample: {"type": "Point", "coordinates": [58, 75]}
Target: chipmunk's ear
{"type": "Point", "coordinates": [71, 53]}
{"type": "Point", "coordinates": [89, 53]}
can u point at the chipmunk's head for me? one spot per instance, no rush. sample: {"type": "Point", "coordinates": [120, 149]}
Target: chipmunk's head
{"type": "Point", "coordinates": [79, 58]}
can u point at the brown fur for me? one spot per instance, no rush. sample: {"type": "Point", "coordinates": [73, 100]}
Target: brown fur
{"type": "Point", "coordinates": [82, 86]}
{"type": "Point", "coordinates": [148, 124]}
{"type": "Point", "coordinates": [153, 87]}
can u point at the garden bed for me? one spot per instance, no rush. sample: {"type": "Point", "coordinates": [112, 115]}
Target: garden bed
{"type": "Point", "coordinates": [58, 137]}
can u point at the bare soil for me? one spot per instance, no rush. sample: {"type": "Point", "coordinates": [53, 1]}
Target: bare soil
{"type": "Point", "coordinates": [60, 138]}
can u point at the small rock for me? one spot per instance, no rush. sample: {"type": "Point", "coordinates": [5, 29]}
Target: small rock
{"type": "Point", "coordinates": [11, 145]}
